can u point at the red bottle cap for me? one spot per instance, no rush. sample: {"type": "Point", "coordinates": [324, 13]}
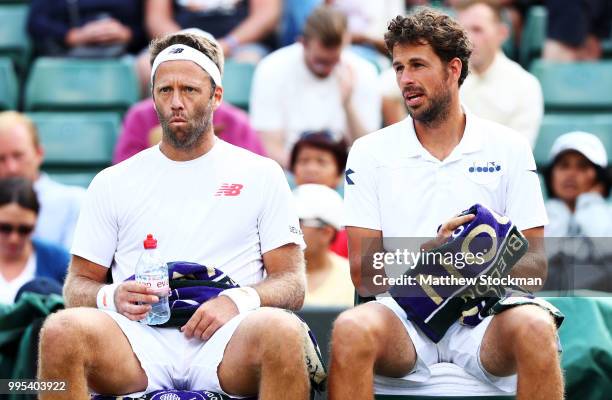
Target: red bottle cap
{"type": "Point", "coordinates": [150, 242]}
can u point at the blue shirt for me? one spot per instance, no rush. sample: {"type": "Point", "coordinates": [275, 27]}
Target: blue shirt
{"type": "Point", "coordinates": [59, 210]}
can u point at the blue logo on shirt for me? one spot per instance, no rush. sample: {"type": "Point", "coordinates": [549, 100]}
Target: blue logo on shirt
{"type": "Point", "coordinates": [490, 166]}
{"type": "Point", "coordinates": [349, 181]}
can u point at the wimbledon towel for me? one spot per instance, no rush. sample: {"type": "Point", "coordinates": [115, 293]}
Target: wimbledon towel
{"type": "Point", "coordinates": [445, 290]}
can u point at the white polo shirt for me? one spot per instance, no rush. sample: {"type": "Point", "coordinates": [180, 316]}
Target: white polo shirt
{"type": "Point", "coordinates": [393, 184]}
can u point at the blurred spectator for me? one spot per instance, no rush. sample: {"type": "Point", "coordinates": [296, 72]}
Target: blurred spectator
{"type": "Point", "coordinates": [21, 155]}
{"type": "Point", "coordinates": [314, 85]}
{"type": "Point", "coordinates": [141, 129]}
{"type": "Point", "coordinates": [577, 184]}
{"type": "Point", "coordinates": [328, 275]}
{"type": "Point", "coordinates": [498, 88]}
{"type": "Point", "coordinates": [23, 259]}
{"type": "Point", "coordinates": [368, 20]}
{"type": "Point", "coordinates": [575, 29]}
{"type": "Point", "coordinates": [513, 12]}
{"type": "Point", "coordinates": [578, 244]}
{"type": "Point", "coordinates": [86, 28]}
{"type": "Point", "coordinates": [393, 104]}
{"type": "Point", "coordinates": [318, 158]}
{"type": "Point", "coordinates": [245, 28]}
{"type": "Point", "coordinates": [295, 13]}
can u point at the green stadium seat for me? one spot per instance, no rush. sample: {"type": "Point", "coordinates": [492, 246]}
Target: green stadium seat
{"type": "Point", "coordinates": [606, 48]}
{"type": "Point", "coordinates": [554, 125]}
{"type": "Point", "coordinates": [533, 35]}
{"type": "Point", "coordinates": [77, 140]}
{"type": "Point", "coordinates": [575, 87]}
{"type": "Point", "coordinates": [60, 84]}
{"type": "Point", "coordinates": [237, 79]}
{"type": "Point", "coordinates": [14, 40]}
{"type": "Point", "coordinates": [8, 85]}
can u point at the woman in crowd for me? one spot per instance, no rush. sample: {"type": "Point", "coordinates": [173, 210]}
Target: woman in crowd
{"type": "Point", "coordinates": [580, 219]}
{"type": "Point", "coordinates": [578, 185]}
{"type": "Point", "coordinates": [318, 158]}
{"type": "Point", "coordinates": [24, 260]}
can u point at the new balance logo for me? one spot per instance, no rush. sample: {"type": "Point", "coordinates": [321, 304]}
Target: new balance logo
{"type": "Point", "coordinates": [178, 50]}
{"type": "Point", "coordinates": [229, 189]}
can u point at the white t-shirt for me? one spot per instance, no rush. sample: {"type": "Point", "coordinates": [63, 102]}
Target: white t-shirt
{"type": "Point", "coordinates": [506, 94]}
{"type": "Point", "coordinates": [396, 186]}
{"type": "Point", "coordinates": [224, 209]}
{"type": "Point", "coordinates": [286, 96]}
{"type": "Point", "coordinates": [9, 289]}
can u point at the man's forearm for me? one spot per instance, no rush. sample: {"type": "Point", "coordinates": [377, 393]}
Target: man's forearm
{"type": "Point", "coordinates": [259, 23]}
{"type": "Point", "coordinates": [283, 290]}
{"type": "Point", "coordinates": [532, 265]}
{"type": "Point", "coordinates": [80, 291]}
{"type": "Point", "coordinates": [354, 125]}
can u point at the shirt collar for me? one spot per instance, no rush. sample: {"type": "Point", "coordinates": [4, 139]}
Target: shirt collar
{"type": "Point", "coordinates": [471, 141]}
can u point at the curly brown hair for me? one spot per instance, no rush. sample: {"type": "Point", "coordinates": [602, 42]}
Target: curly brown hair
{"type": "Point", "coordinates": [427, 26]}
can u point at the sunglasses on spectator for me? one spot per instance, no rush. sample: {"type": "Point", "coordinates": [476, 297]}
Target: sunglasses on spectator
{"type": "Point", "coordinates": [22, 230]}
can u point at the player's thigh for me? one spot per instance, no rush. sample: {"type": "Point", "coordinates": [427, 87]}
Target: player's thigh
{"type": "Point", "coordinates": [511, 329]}
{"type": "Point", "coordinates": [263, 333]}
{"type": "Point", "coordinates": [110, 363]}
{"type": "Point", "coordinates": [376, 326]}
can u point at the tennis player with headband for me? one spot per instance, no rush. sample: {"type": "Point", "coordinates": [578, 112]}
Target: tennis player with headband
{"type": "Point", "coordinates": [207, 202]}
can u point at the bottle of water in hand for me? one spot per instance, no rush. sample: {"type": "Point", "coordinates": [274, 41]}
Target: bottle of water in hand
{"type": "Point", "coordinates": [153, 272]}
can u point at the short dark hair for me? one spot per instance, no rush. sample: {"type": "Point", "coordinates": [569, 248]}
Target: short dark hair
{"type": "Point", "coordinates": [19, 191]}
{"type": "Point", "coordinates": [427, 26]}
{"type": "Point", "coordinates": [321, 140]}
{"type": "Point", "coordinates": [602, 176]}
{"type": "Point", "coordinates": [210, 48]}
{"type": "Point", "coordinates": [327, 25]}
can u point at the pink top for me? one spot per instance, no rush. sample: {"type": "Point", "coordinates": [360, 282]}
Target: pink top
{"type": "Point", "coordinates": [141, 123]}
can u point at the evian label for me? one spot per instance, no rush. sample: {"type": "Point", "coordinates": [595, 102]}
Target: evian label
{"type": "Point", "coordinates": [158, 285]}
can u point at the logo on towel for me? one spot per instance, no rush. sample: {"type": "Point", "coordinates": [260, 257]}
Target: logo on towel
{"type": "Point", "coordinates": [178, 50]}
{"type": "Point", "coordinates": [490, 166]}
{"type": "Point", "coordinates": [229, 189]}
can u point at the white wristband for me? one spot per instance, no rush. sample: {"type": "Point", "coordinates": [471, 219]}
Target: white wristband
{"type": "Point", "coordinates": [246, 298]}
{"type": "Point", "coordinates": [106, 297]}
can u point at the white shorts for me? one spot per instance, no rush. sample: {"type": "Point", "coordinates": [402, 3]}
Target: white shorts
{"type": "Point", "coordinates": [460, 346]}
{"type": "Point", "coordinates": [172, 361]}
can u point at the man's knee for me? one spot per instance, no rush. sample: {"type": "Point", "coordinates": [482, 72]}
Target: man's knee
{"type": "Point", "coordinates": [276, 333]}
{"type": "Point", "coordinates": [533, 332]}
{"type": "Point", "coordinates": [537, 332]}
{"type": "Point", "coordinates": [354, 335]}
{"type": "Point", "coordinates": [60, 336]}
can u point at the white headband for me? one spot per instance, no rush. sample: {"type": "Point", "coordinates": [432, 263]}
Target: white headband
{"type": "Point", "coordinates": [186, 53]}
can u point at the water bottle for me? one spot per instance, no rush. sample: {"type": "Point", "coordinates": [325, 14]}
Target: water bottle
{"type": "Point", "coordinates": [153, 272]}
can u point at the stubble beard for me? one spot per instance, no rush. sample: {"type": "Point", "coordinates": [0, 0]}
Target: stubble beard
{"type": "Point", "coordinates": [194, 131]}
{"type": "Point", "coordinates": [438, 110]}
